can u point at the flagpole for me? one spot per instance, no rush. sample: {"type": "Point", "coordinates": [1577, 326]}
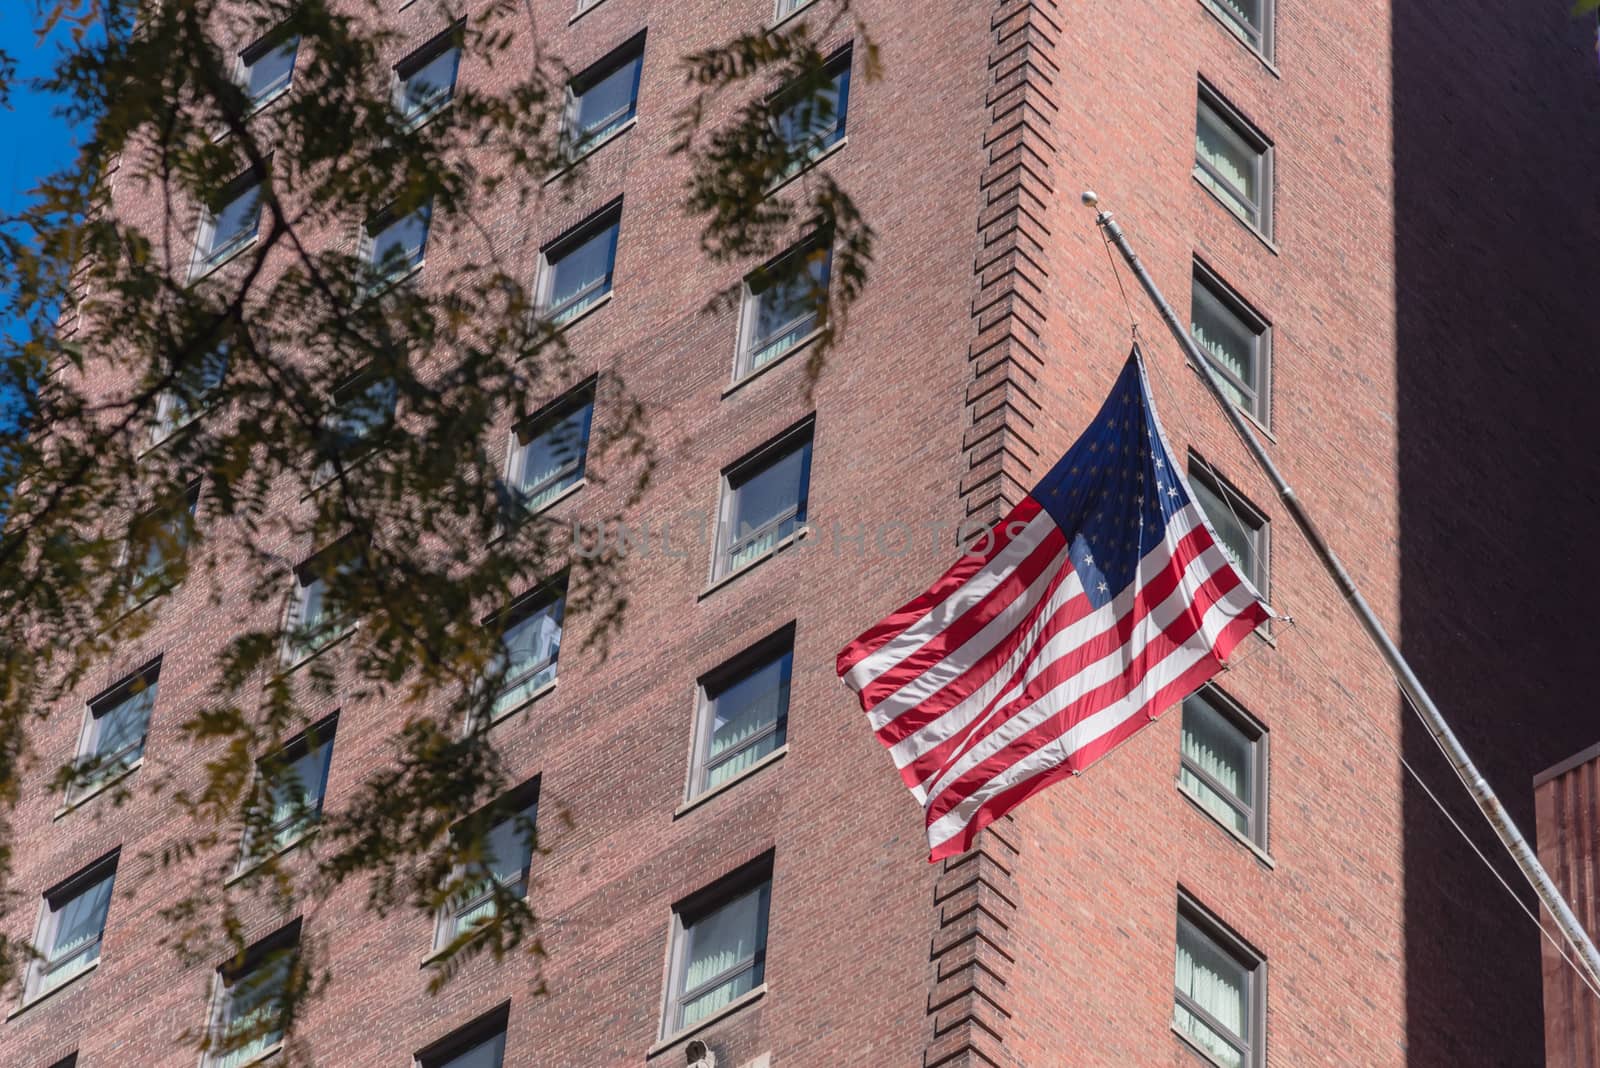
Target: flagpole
{"type": "Point", "coordinates": [1481, 791]}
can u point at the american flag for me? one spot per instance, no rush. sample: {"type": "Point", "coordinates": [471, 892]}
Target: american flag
{"type": "Point", "coordinates": [1101, 599]}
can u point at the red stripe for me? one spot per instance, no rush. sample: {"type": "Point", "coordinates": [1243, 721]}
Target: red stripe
{"type": "Point", "coordinates": [970, 621]}
{"type": "Point", "coordinates": [1158, 589]}
{"type": "Point", "coordinates": [1187, 683]}
{"type": "Point", "coordinates": [1103, 696]}
{"type": "Point", "coordinates": [876, 637]}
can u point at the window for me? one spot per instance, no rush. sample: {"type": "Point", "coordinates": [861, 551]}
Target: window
{"type": "Point", "coordinates": [530, 643]}
{"type": "Point", "coordinates": [744, 712]}
{"type": "Point", "coordinates": [1233, 160]}
{"type": "Point", "coordinates": [782, 305]}
{"type": "Point", "coordinates": [604, 98]}
{"type": "Point", "coordinates": [719, 946]}
{"type": "Point", "coordinates": [230, 222]}
{"type": "Point", "coordinates": [1251, 20]}
{"type": "Point", "coordinates": [426, 80]}
{"type": "Point", "coordinates": [363, 409]}
{"type": "Point", "coordinates": [549, 451]}
{"type": "Point", "coordinates": [71, 926]}
{"type": "Point", "coordinates": [1223, 763]}
{"type": "Point", "coordinates": [577, 268]}
{"type": "Point", "coordinates": [394, 245]}
{"type": "Point", "coordinates": [114, 732]}
{"type": "Point", "coordinates": [1219, 998]}
{"type": "Point", "coordinates": [763, 501]}
{"type": "Point", "coordinates": [480, 1044]}
{"type": "Point", "coordinates": [251, 999]}
{"type": "Point", "coordinates": [294, 782]}
{"type": "Point", "coordinates": [1238, 341]}
{"type": "Point", "coordinates": [503, 838]}
{"type": "Point", "coordinates": [266, 69]}
{"type": "Point", "coordinates": [811, 119]}
{"type": "Point", "coordinates": [158, 540]}
{"type": "Point", "coordinates": [787, 8]}
{"type": "Point", "coordinates": [193, 388]}
{"type": "Point", "coordinates": [1241, 530]}
{"type": "Point", "coordinates": [312, 623]}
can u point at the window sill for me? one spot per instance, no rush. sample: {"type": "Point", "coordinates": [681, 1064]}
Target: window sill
{"type": "Point", "coordinates": [727, 579]}
{"type": "Point", "coordinates": [722, 787]}
{"type": "Point", "coordinates": [1238, 34]}
{"type": "Point", "coordinates": [501, 717]}
{"type": "Point", "coordinates": [739, 383]}
{"type": "Point", "coordinates": [1255, 421]}
{"type": "Point", "coordinates": [100, 788]}
{"type": "Point", "coordinates": [52, 992]}
{"type": "Point", "coordinates": [287, 847]}
{"type": "Point", "coordinates": [1190, 1044]}
{"type": "Point", "coordinates": [590, 149]}
{"type": "Point", "coordinates": [810, 164]}
{"type": "Point", "coordinates": [428, 114]}
{"type": "Point", "coordinates": [527, 515]}
{"type": "Point", "coordinates": [206, 268]}
{"type": "Point", "coordinates": [1253, 230]}
{"type": "Point", "coordinates": [260, 1058]}
{"type": "Point", "coordinates": [583, 10]}
{"type": "Point", "coordinates": [721, 1014]}
{"type": "Point", "coordinates": [563, 327]}
{"type": "Point", "coordinates": [378, 287]}
{"type": "Point", "coordinates": [1194, 799]}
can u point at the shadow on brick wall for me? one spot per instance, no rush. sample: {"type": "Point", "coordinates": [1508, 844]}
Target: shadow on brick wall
{"type": "Point", "coordinates": [1496, 154]}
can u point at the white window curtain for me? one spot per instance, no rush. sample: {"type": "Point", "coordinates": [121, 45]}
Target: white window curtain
{"type": "Point", "coordinates": [1219, 750]}
{"type": "Point", "coordinates": [1228, 160]}
{"type": "Point", "coordinates": [1235, 539]}
{"type": "Point", "coordinates": [78, 925]}
{"type": "Point", "coordinates": [553, 459]}
{"type": "Point", "coordinates": [1226, 343]}
{"type": "Point", "coordinates": [507, 853]}
{"type": "Point", "coordinates": [530, 649]}
{"type": "Point", "coordinates": [754, 704]}
{"type": "Point", "coordinates": [724, 943]}
{"type": "Point", "coordinates": [1216, 985]}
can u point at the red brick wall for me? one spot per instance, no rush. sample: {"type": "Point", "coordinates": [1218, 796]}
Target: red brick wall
{"type": "Point", "coordinates": [1567, 802]}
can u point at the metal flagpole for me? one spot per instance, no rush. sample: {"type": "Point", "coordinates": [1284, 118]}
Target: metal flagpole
{"type": "Point", "coordinates": [1481, 791]}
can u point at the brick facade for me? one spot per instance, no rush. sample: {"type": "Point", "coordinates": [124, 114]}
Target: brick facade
{"type": "Point", "coordinates": [1567, 803]}
{"type": "Point", "coordinates": [989, 333]}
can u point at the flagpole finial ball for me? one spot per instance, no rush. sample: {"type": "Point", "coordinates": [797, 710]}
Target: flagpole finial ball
{"type": "Point", "coordinates": [1090, 199]}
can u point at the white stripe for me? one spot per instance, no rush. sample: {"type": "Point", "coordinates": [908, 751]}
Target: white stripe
{"type": "Point", "coordinates": [959, 661]}
{"type": "Point", "coordinates": [947, 611]}
{"type": "Point", "coordinates": [953, 721]}
{"type": "Point", "coordinates": [1090, 676]}
{"type": "Point", "coordinates": [1093, 727]}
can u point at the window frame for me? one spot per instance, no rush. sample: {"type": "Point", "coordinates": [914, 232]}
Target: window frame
{"type": "Point", "coordinates": [293, 654]}
{"type": "Point", "coordinates": [839, 67]}
{"type": "Point", "coordinates": [551, 254]}
{"type": "Point", "coordinates": [1230, 944]}
{"type": "Point", "coordinates": [1233, 126]}
{"type": "Point", "coordinates": [464, 1039]}
{"type": "Point", "coordinates": [109, 699]}
{"type": "Point", "coordinates": [259, 49]}
{"type": "Point", "coordinates": [1259, 39]}
{"type": "Point", "coordinates": [339, 453]}
{"type": "Point", "coordinates": [530, 428]}
{"type": "Point", "coordinates": [783, 10]}
{"type": "Point", "coordinates": [445, 41]}
{"type": "Point", "coordinates": [377, 281]}
{"type": "Point", "coordinates": [711, 685]}
{"type": "Point", "coordinates": [750, 307]}
{"type": "Point", "coordinates": [1255, 522]}
{"type": "Point", "coordinates": [52, 903]}
{"type": "Point", "coordinates": [548, 594]}
{"type": "Point", "coordinates": [145, 583]}
{"type": "Point", "coordinates": [743, 470]}
{"type": "Point", "coordinates": [225, 980]}
{"type": "Point", "coordinates": [208, 258]}
{"type": "Point", "coordinates": [576, 145]}
{"type": "Point", "coordinates": [173, 413]}
{"type": "Point", "coordinates": [753, 877]}
{"type": "Point", "coordinates": [1208, 287]}
{"type": "Point", "coordinates": [1256, 808]}
{"type": "Point", "coordinates": [319, 736]}
{"type": "Point", "coordinates": [520, 803]}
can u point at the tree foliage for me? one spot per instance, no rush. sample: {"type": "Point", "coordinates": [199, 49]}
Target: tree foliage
{"type": "Point", "coordinates": [184, 424]}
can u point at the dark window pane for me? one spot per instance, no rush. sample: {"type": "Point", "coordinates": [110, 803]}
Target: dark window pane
{"type": "Point", "coordinates": [581, 274]}
{"type": "Point", "coordinates": [235, 221]}
{"type": "Point", "coordinates": [748, 718]}
{"type": "Point", "coordinates": [552, 457]}
{"type": "Point", "coordinates": [786, 310]}
{"type": "Point", "coordinates": [269, 70]}
{"type": "Point", "coordinates": [768, 505]}
{"type": "Point", "coordinates": [428, 85]}
{"type": "Point", "coordinates": [816, 121]}
{"type": "Point", "coordinates": [490, 1053]}
{"type": "Point", "coordinates": [398, 244]}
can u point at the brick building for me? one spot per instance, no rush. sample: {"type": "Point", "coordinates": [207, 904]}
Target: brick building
{"type": "Point", "coordinates": [1569, 841]}
{"type": "Point", "coordinates": [1377, 219]}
